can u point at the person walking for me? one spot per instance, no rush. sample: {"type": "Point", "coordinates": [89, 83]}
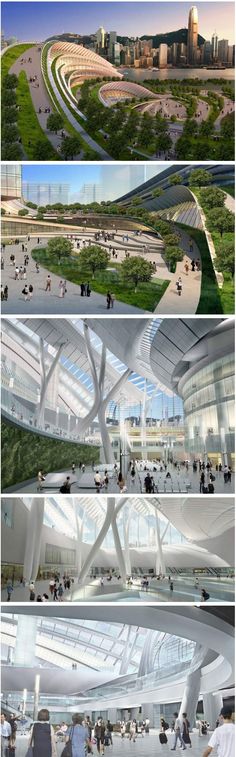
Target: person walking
{"type": "Point", "coordinates": [9, 590]}
{"type": "Point", "coordinates": [186, 267]}
{"type": "Point", "coordinates": [31, 289]}
{"type": "Point", "coordinates": [99, 735]}
{"type": "Point", "coordinates": [42, 739]}
{"type": "Point", "coordinates": [108, 300]}
{"type": "Point", "coordinates": [48, 283]}
{"type": "Point", "coordinates": [179, 286]}
{"type": "Point", "coordinates": [186, 728]}
{"type": "Point", "coordinates": [178, 734]}
{"type": "Point", "coordinates": [223, 737]}
{"type": "Point", "coordinates": [5, 736]}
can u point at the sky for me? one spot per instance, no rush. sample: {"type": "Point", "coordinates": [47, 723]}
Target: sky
{"type": "Point", "coordinates": [36, 21]}
{"type": "Point", "coordinates": [116, 180]}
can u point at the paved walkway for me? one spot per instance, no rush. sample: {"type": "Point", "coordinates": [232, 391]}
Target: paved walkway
{"type": "Point", "coordinates": [159, 591]}
{"type": "Point", "coordinates": [229, 202]}
{"type": "Point", "coordinates": [148, 746]}
{"type": "Point", "coordinates": [229, 107]}
{"type": "Point", "coordinates": [145, 245]}
{"type": "Point", "coordinates": [50, 302]}
{"type": "Point", "coordinates": [181, 481]}
{"type": "Point", "coordinates": [39, 95]}
{"type": "Point", "coordinates": [41, 99]}
{"type": "Point", "coordinates": [171, 302]}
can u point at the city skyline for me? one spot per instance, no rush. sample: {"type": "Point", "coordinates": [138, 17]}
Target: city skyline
{"type": "Point", "coordinates": [115, 180]}
{"type": "Point", "coordinates": [64, 17]}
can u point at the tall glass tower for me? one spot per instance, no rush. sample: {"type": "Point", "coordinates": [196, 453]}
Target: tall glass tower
{"type": "Point", "coordinates": [192, 36]}
{"type": "Point", "coordinates": [11, 183]}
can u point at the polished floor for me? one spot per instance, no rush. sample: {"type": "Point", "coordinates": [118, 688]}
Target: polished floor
{"type": "Point", "coordinates": [149, 746]}
{"type": "Point", "coordinates": [184, 590]}
{"type": "Point", "coordinates": [183, 481]}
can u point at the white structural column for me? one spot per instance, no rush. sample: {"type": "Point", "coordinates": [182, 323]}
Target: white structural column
{"type": "Point", "coordinates": [128, 650]}
{"type": "Point", "coordinates": [192, 686]}
{"type": "Point", "coordinates": [36, 696]}
{"type": "Point", "coordinates": [118, 548]}
{"type": "Point", "coordinates": [79, 537]}
{"type": "Point", "coordinates": [111, 513]}
{"type": "Point", "coordinates": [45, 377]}
{"type": "Point", "coordinates": [160, 562]}
{"type": "Point", "coordinates": [25, 641]}
{"type": "Point", "coordinates": [101, 536]}
{"type": "Point", "coordinates": [212, 704]}
{"type": "Point", "coordinates": [126, 525]}
{"type": "Point", "coordinates": [33, 539]}
{"type": "Point", "coordinates": [101, 401]}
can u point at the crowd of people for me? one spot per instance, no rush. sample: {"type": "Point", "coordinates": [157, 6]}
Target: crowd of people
{"type": "Point", "coordinates": [83, 736]}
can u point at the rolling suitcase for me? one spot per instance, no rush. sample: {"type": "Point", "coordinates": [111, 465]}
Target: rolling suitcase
{"type": "Point", "coordinates": [162, 738]}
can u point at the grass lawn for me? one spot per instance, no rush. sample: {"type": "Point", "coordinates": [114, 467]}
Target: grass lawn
{"type": "Point", "coordinates": [229, 188]}
{"type": "Point", "coordinates": [227, 292]}
{"type": "Point", "coordinates": [29, 127]}
{"type": "Point", "coordinates": [148, 294]}
{"type": "Point", "coordinates": [11, 56]}
{"type": "Point", "coordinates": [210, 299]}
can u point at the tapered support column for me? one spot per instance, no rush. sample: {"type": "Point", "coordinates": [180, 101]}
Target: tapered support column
{"type": "Point", "coordinates": [126, 525]}
{"type": "Point", "coordinates": [160, 562]}
{"type": "Point", "coordinates": [36, 696]}
{"type": "Point", "coordinates": [101, 536]}
{"type": "Point", "coordinates": [79, 537]}
{"type": "Point", "coordinates": [25, 641]}
{"type": "Point", "coordinates": [33, 539]}
{"type": "Point", "coordinates": [118, 548]}
{"type": "Point", "coordinates": [101, 401]}
{"type": "Point", "coordinates": [211, 707]}
{"type": "Point", "coordinates": [192, 686]}
{"type": "Point", "coordinates": [45, 377]}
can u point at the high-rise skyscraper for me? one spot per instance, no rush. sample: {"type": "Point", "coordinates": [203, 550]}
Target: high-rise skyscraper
{"type": "Point", "coordinates": [100, 37]}
{"type": "Point", "coordinates": [163, 49]}
{"type": "Point", "coordinates": [214, 47]}
{"type": "Point", "coordinates": [223, 50]}
{"type": "Point", "coordinates": [192, 36]}
{"type": "Point", "coordinates": [112, 41]}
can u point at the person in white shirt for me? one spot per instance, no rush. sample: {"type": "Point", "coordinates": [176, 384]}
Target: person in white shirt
{"type": "Point", "coordinates": [5, 736]}
{"type": "Point", "coordinates": [178, 732]}
{"type": "Point", "coordinates": [223, 738]}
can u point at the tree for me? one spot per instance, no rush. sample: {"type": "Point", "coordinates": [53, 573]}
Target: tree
{"type": "Point", "coordinates": [175, 179]}
{"type": "Point", "coordinates": [171, 239]}
{"type": "Point", "coordinates": [157, 192]}
{"type": "Point", "coordinates": [55, 122]}
{"type": "Point", "coordinates": [225, 258]}
{"type": "Point", "coordinates": [42, 150]}
{"type": "Point", "coordinates": [10, 133]}
{"type": "Point", "coordinates": [136, 269]}
{"type": "Point", "coordinates": [9, 115]}
{"type": "Point", "coordinates": [8, 98]}
{"type": "Point", "coordinates": [135, 201]}
{"type": "Point", "coordinates": [70, 147]}
{"type": "Point", "coordinates": [10, 81]}
{"type": "Point", "coordinates": [163, 143]}
{"type": "Point", "coordinates": [93, 258]}
{"type": "Point", "coordinates": [31, 205]}
{"type": "Point", "coordinates": [227, 126]}
{"type": "Point", "coordinates": [199, 177]}
{"type": "Point", "coordinates": [3, 212]}
{"type": "Point", "coordinates": [11, 152]}
{"type": "Point", "coordinates": [162, 227]}
{"type": "Point", "coordinates": [213, 197]}
{"type": "Point", "coordinates": [172, 255]}
{"type": "Point", "coordinates": [221, 220]}
{"type": "Point", "coordinates": [23, 212]}
{"type": "Point", "coordinates": [146, 130]}
{"type": "Point", "coordinates": [59, 248]}
{"type": "Point", "coordinates": [190, 127]}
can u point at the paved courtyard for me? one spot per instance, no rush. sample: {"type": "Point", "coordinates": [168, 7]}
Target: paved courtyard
{"type": "Point", "coordinates": [145, 245]}
{"type": "Point", "coordinates": [182, 481]}
{"type": "Point", "coordinates": [149, 746]}
{"type": "Point", "coordinates": [184, 590]}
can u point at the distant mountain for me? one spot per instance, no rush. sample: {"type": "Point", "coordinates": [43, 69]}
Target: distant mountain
{"type": "Point", "coordinates": [168, 38]}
